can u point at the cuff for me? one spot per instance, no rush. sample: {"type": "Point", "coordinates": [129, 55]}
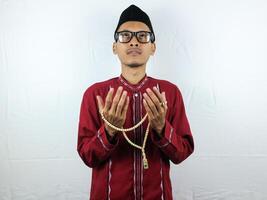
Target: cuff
{"type": "Point", "coordinates": [166, 136]}
{"type": "Point", "coordinates": [102, 136]}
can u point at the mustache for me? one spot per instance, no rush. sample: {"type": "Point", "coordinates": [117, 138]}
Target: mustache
{"type": "Point", "coordinates": [137, 50]}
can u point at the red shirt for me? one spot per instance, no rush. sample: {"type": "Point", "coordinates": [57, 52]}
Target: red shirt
{"type": "Point", "coordinates": [118, 172]}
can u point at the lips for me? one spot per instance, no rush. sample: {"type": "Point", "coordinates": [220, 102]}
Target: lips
{"type": "Point", "coordinates": [134, 51]}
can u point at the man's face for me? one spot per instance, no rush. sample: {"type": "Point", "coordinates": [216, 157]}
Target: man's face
{"type": "Point", "coordinates": [134, 53]}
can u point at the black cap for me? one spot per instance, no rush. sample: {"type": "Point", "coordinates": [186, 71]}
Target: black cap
{"type": "Point", "coordinates": [134, 13]}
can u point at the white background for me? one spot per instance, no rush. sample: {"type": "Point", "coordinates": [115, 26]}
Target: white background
{"type": "Point", "coordinates": [51, 51]}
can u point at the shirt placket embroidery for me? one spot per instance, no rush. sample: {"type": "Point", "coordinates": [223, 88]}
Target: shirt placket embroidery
{"type": "Point", "coordinates": [137, 115]}
{"type": "Point", "coordinates": [138, 153]}
{"type": "Point", "coordinates": [135, 162]}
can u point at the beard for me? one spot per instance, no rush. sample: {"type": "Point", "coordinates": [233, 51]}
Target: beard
{"type": "Point", "coordinates": [134, 65]}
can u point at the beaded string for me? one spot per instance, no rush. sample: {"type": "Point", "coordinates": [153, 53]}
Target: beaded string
{"type": "Point", "coordinates": [123, 130]}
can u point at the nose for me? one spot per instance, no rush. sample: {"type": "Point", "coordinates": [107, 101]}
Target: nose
{"type": "Point", "coordinates": [134, 42]}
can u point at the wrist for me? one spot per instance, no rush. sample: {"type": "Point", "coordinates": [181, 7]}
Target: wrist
{"type": "Point", "coordinates": [111, 136]}
{"type": "Point", "coordinates": [110, 131]}
{"type": "Point", "coordinates": [160, 131]}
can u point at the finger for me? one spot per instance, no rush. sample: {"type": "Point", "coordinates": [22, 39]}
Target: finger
{"type": "Point", "coordinates": [100, 103]}
{"type": "Point", "coordinates": [159, 95]}
{"type": "Point", "coordinates": [164, 100]}
{"type": "Point", "coordinates": [121, 103]}
{"type": "Point", "coordinates": [108, 100]}
{"type": "Point", "coordinates": [116, 100]}
{"type": "Point", "coordinates": [151, 104]}
{"type": "Point", "coordinates": [147, 108]}
{"type": "Point", "coordinates": [125, 108]}
{"type": "Point", "coordinates": [155, 99]}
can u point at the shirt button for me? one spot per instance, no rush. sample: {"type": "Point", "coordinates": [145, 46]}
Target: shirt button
{"type": "Point", "coordinates": [136, 95]}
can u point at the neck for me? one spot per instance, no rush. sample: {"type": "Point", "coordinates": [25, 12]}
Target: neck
{"type": "Point", "coordinates": [133, 74]}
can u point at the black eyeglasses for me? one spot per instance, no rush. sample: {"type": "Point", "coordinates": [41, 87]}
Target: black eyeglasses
{"type": "Point", "coordinates": [141, 36]}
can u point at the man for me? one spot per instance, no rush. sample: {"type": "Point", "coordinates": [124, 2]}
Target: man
{"type": "Point", "coordinates": [120, 171]}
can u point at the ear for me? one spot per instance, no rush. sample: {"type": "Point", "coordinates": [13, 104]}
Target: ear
{"type": "Point", "coordinates": [114, 48]}
{"type": "Point", "coordinates": [153, 48]}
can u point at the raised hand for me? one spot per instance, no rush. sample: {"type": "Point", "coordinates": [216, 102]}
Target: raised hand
{"type": "Point", "coordinates": [114, 110]}
{"type": "Point", "coordinates": [156, 106]}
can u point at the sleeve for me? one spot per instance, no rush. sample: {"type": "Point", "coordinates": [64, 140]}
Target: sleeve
{"type": "Point", "coordinates": [93, 145]}
{"type": "Point", "coordinates": [177, 141]}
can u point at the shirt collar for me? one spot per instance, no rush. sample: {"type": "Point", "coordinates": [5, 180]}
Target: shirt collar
{"type": "Point", "coordinates": [133, 87]}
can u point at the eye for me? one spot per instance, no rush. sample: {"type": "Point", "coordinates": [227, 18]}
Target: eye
{"type": "Point", "coordinates": [143, 37]}
{"type": "Point", "coordinates": [142, 34]}
{"type": "Point", "coordinates": [125, 34]}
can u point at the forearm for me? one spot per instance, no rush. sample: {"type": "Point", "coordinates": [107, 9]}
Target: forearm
{"type": "Point", "coordinates": [97, 149]}
{"type": "Point", "coordinates": [176, 146]}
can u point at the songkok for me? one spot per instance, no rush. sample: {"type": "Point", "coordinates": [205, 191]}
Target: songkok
{"type": "Point", "coordinates": [134, 13]}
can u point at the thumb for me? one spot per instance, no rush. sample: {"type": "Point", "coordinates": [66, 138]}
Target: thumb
{"type": "Point", "coordinates": [100, 103]}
